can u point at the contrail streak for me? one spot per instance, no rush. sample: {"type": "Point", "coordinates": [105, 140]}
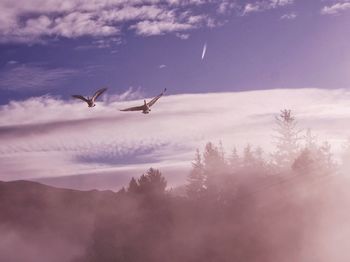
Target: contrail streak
{"type": "Point", "coordinates": [204, 50]}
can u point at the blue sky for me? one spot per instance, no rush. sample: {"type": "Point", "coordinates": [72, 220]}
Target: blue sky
{"type": "Point", "coordinates": [262, 56]}
{"type": "Point", "coordinates": [251, 45]}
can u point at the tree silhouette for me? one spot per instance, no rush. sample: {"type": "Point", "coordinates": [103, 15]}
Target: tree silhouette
{"type": "Point", "coordinates": [321, 154]}
{"type": "Point", "coordinates": [152, 182]}
{"type": "Point", "coordinates": [325, 156]}
{"type": "Point", "coordinates": [133, 186]}
{"type": "Point", "coordinates": [212, 157]}
{"type": "Point", "coordinates": [235, 160]}
{"type": "Point", "coordinates": [304, 163]}
{"type": "Point", "coordinates": [196, 179]}
{"type": "Point", "coordinates": [248, 157]}
{"type": "Point", "coordinates": [214, 167]}
{"type": "Point", "coordinates": [287, 140]}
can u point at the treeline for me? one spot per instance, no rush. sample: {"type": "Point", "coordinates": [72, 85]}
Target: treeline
{"type": "Point", "coordinates": [237, 207]}
{"type": "Point", "coordinates": [214, 171]}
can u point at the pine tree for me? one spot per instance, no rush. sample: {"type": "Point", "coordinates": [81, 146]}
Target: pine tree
{"type": "Point", "coordinates": [325, 158]}
{"type": "Point", "coordinates": [304, 163]}
{"type": "Point", "coordinates": [260, 163]}
{"type": "Point", "coordinates": [310, 140]}
{"type": "Point", "coordinates": [196, 179]}
{"type": "Point", "coordinates": [215, 171]}
{"type": "Point", "coordinates": [287, 140]}
{"type": "Point", "coordinates": [235, 160]}
{"type": "Point", "coordinates": [248, 157]}
{"type": "Point", "coordinates": [213, 164]}
{"type": "Point", "coordinates": [212, 157]}
{"type": "Point", "coordinates": [152, 182]}
{"type": "Point", "coordinates": [133, 186]}
{"type": "Point", "coordinates": [321, 155]}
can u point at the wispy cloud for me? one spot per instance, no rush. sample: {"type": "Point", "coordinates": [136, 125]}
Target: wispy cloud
{"type": "Point", "coordinates": [130, 94]}
{"type": "Point", "coordinates": [35, 21]}
{"type": "Point", "coordinates": [30, 77]}
{"type": "Point", "coordinates": [31, 21]}
{"type": "Point", "coordinates": [51, 137]}
{"type": "Point", "coordinates": [258, 6]}
{"type": "Point", "coordinates": [183, 36]}
{"type": "Point", "coordinates": [289, 16]}
{"type": "Point", "coordinates": [335, 8]}
{"type": "Point", "coordinates": [148, 28]}
{"type": "Point", "coordinates": [226, 6]}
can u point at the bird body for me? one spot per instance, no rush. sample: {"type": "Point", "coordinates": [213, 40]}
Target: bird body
{"type": "Point", "coordinates": [91, 101]}
{"type": "Point", "coordinates": [146, 107]}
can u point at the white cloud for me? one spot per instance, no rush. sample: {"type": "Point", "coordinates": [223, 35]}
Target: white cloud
{"type": "Point", "coordinates": [335, 8]}
{"type": "Point", "coordinates": [12, 62]}
{"type": "Point", "coordinates": [249, 8]}
{"type": "Point", "coordinates": [148, 28]}
{"type": "Point", "coordinates": [182, 36]}
{"type": "Point", "coordinates": [51, 137]}
{"type": "Point", "coordinates": [289, 16]}
{"type": "Point", "coordinates": [39, 20]}
{"type": "Point", "coordinates": [130, 94]}
{"type": "Point", "coordinates": [265, 5]}
{"type": "Point", "coordinates": [130, 13]}
{"type": "Point", "coordinates": [159, 27]}
{"type": "Point", "coordinates": [226, 6]}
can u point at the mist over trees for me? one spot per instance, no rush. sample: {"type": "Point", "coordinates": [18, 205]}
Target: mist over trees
{"type": "Point", "coordinates": [239, 205]}
{"type": "Point", "coordinates": [246, 205]}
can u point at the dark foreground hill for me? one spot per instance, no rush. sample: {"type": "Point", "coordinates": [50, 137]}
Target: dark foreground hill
{"type": "Point", "coordinates": [296, 219]}
{"type": "Point", "coordinates": [42, 223]}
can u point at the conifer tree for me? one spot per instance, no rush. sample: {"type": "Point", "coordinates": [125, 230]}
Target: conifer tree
{"type": "Point", "coordinates": [248, 157]}
{"type": "Point", "coordinates": [196, 179]}
{"type": "Point", "coordinates": [152, 182]}
{"type": "Point", "coordinates": [287, 140]}
{"type": "Point", "coordinates": [133, 186]}
{"type": "Point", "coordinates": [215, 171]}
{"type": "Point", "coordinates": [235, 160]}
{"type": "Point", "coordinates": [304, 163]}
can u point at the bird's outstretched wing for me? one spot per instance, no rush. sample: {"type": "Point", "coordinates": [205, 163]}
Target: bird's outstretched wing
{"type": "Point", "coordinates": [151, 103]}
{"type": "Point", "coordinates": [98, 93]}
{"type": "Point", "coordinates": [80, 97]}
{"type": "Point", "coordinates": [135, 108]}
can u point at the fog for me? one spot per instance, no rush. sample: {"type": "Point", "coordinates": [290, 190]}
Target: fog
{"type": "Point", "coordinates": [56, 138]}
{"type": "Point", "coordinates": [288, 204]}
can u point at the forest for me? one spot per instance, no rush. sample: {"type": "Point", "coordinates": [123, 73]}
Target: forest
{"type": "Point", "coordinates": [289, 205]}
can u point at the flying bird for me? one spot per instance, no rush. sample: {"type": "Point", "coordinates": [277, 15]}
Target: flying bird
{"type": "Point", "coordinates": [91, 101]}
{"type": "Point", "coordinates": [145, 108]}
{"type": "Point", "coordinates": [204, 50]}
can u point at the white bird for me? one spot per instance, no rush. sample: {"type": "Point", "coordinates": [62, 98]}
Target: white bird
{"type": "Point", "coordinates": [91, 101]}
{"type": "Point", "coordinates": [145, 108]}
{"type": "Point", "coordinates": [204, 50]}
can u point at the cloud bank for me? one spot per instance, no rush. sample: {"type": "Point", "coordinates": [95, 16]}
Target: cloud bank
{"type": "Point", "coordinates": [48, 137]}
{"type": "Point", "coordinates": [35, 21]}
{"type": "Point", "coordinates": [29, 21]}
{"type": "Point", "coordinates": [258, 6]}
{"type": "Point", "coordinates": [336, 8]}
